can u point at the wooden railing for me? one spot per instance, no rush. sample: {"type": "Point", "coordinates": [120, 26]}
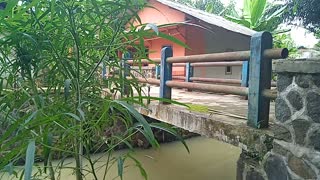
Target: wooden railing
{"type": "Point", "coordinates": [255, 81]}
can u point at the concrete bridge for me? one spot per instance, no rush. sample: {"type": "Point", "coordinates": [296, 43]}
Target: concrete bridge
{"type": "Point", "coordinates": [219, 116]}
{"type": "Point", "coordinates": [279, 140]}
{"type": "Point", "coordinates": [288, 149]}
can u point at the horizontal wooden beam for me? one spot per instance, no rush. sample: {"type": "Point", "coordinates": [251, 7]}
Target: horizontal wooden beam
{"type": "Point", "coordinates": [242, 91]}
{"type": "Point", "coordinates": [228, 56]}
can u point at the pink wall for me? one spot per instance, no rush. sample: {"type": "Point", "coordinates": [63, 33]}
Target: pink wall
{"type": "Point", "coordinates": [155, 45]}
{"type": "Point", "coordinates": [196, 41]}
{"type": "Point", "coordinates": [191, 35]}
{"type": "Point", "coordinates": [162, 14]}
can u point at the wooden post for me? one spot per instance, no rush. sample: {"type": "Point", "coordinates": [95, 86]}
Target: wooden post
{"type": "Point", "coordinates": [189, 72]}
{"type": "Point", "coordinates": [125, 73]}
{"type": "Point", "coordinates": [157, 71]}
{"type": "Point", "coordinates": [165, 73]}
{"type": "Point", "coordinates": [245, 74]}
{"type": "Point", "coordinates": [260, 79]}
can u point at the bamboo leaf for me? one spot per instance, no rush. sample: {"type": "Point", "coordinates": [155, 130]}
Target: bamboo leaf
{"type": "Point", "coordinates": [47, 141]}
{"type": "Point", "coordinates": [140, 119]}
{"type": "Point", "coordinates": [173, 39]}
{"type": "Point", "coordinates": [30, 117]}
{"type": "Point", "coordinates": [167, 128]}
{"type": "Point", "coordinates": [67, 85]}
{"type": "Point", "coordinates": [81, 113]}
{"type": "Point", "coordinates": [31, 149]}
{"type": "Point", "coordinates": [139, 165]}
{"type": "Point", "coordinates": [153, 27]}
{"type": "Point", "coordinates": [73, 116]}
{"type": "Point", "coordinates": [120, 162]}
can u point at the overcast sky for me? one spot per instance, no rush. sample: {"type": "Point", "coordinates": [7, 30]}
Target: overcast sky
{"type": "Point", "coordinates": [300, 35]}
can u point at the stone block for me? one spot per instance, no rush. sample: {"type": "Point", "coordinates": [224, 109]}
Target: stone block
{"type": "Point", "coordinates": [275, 168]}
{"type": "Point", "coordinates": [316, 80]}
{"type": "Point", "coordinates": [301, 128]}
{"type": "Point", "coordinates": [295, 100]}
{"type": "Point", "coordinates": [240, 166]}
{"type": "Point", "coordinates": [303, 80]}
{"type": "Point", "coordinates": [301, 168]}
{"type": "Point", "coordinates": [282, 133]}
{"type": "Point", "coordinates": [278, 149]}
{"type": "Point", "coordinates": [313, 106]}
{"type": "Point", "coordinates": [314, 158]}
{"type": "Point", "coordinates": [314, 139]}
{"type": "Point", "coordinates": [283, 81]}
{"type": "Point", "coordinates": [254, 175]}
{"type": "Point", "coordinates": [283, 112]}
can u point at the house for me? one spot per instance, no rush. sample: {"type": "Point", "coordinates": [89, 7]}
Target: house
{"type": "Point", "coordinates": [202, 32]}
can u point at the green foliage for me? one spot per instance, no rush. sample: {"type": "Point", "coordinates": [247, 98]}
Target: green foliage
{"type": "Point", "coordinates": [259, 15]}
{"type": "Point", "coordinates": [211, 6]}
{"type": "Point", "coordinates": [198, 108]}
{"type": "Point", "coordinates": [53, 101]}
{"type": "Point", "coordinates": [317, 34]}
{"type": "Point", "coordinates": [303, 12]}
{"type": "Point", "coordinates": [284, 40]}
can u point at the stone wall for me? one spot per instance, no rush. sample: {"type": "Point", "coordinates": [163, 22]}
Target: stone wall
{"type": "Point", "coordinates": [296, 144]}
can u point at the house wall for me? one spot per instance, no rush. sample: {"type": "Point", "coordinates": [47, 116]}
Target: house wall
{"type": "Point", "coordinates": [200, 40]}
{"type": "Point", "coordinates": [220, 40]}
{"type": "Point", "coordinates": [195, 39]}
{"type": "Point", "coordinates": [162, 14]}
{"type": "Point", "coordinates": [156, 45]}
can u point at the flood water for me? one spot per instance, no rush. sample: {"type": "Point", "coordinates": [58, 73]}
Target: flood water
{"type": "Point", "coordinates": [208, 160]}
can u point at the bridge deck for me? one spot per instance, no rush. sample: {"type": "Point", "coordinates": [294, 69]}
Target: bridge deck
{"type": "Point", "coordinates": [226, 120]}
{"type": "Point", "coordinates": [230, 105]}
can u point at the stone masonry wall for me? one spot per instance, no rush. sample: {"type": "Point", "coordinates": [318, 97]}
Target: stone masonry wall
{"type": "Point", "coordinates": [296, 145]}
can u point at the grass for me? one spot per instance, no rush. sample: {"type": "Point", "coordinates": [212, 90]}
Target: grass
{"type": "Point", "coordinates": [198, 108]}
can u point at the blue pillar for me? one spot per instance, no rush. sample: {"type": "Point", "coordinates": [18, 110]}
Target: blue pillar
{"type": "Point", "coordinates": [125, 73]}
{"type": "Point", "coordinates": [125, 65]}
{"type": "Point", "coordinates": [165, 73]}
{"type": "Point", "coordinates": [189, 72]}
{"type": "Point", "coordinates": [245, 74]}
{"type": "Point", "coordinates": [157, 71]}
{"type": "Point", "coordinates": [260, 79]}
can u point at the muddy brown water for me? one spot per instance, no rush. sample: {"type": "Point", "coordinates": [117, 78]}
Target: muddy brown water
{"type": "Point", "coordinates": [208, 160]}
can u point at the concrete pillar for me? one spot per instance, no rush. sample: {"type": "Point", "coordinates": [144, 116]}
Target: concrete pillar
{"type": "Point", "coordinates": [295, 152]}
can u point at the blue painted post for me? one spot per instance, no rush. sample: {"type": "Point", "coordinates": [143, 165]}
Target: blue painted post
{"type": "Point", "coordinates": [126, 73]}
{"type": "Point", "coordinates": [165, 73]}
{"type": "Point", "coordinates": [157, 71]}
{"type": "Point", "coordinates": [245, 74]}
{"type": "Point", "coordinates": [189, 72]}
{"type": "Point", "coordinates": [260, 79]}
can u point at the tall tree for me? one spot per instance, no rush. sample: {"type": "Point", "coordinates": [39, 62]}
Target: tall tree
{"type": "Point", "coordinates": [211, 6]}
{"type": "Point", "coordinates": [304, 12]}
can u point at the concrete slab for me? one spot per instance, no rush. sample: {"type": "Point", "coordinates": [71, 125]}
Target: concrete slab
{"type": "Point", "coordinates": [221, 103]}
{"type": "Point", "coordinates": [225, 122]}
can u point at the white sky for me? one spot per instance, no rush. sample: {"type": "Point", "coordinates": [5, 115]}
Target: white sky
{"type": "Point", "coordinates": [300, 36]}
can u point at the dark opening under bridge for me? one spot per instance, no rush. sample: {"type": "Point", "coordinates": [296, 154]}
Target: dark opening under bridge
{"type": "Point", "coordinates": [276, 145]}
